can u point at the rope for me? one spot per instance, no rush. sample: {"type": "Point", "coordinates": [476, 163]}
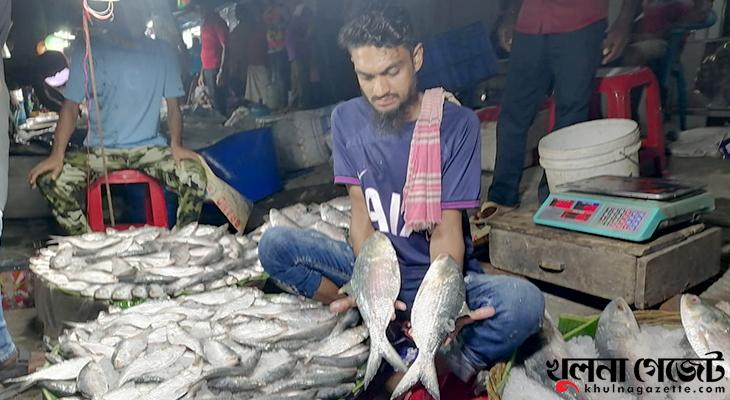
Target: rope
{"type": "Point", "coordinates": [106, 14]}
{"type": "Point", "coordinates": [89, 61]}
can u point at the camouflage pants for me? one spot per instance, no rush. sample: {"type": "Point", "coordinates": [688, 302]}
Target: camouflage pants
{"type": "Point", "coordinates": [188, 181]}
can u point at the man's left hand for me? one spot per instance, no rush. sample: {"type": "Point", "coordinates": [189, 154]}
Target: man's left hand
{"type": "Point", "coordinates": [180, 153]}
{"type": "Point", "coordinates": [615, 42]}
{"type": "Point", "coordinates": [219, 79]}
{"type": "Point", "coordinates": [479, 314]}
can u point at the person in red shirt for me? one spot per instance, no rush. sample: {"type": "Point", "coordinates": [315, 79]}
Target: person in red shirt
{"type": "Point", "coordinates": [213, 38]}
{"type": "Point", "coordinates": [649, 39]}
{"type": "Point", "coordinates": [556, 44]}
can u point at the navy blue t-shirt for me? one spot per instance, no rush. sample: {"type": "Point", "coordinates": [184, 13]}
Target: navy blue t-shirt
{"type": "Point", "coordinates": [378, 162]}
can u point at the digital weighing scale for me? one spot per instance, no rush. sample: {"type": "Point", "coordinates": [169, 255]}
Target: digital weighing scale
{"type": "Point", "coordinates": [624, 208]}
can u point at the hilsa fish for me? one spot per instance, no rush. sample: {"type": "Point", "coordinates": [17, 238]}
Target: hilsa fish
{"type": "Point", "coordinates": [707, 329]}
{"type": "Point", "coordinates": [375, 285]}
{"type": "Point", "coordinates": [438, 302]}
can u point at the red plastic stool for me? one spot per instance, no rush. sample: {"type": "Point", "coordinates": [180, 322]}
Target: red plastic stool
{"type": "Point", "coordinates": [617, 89]}
{"type": "Point", "coordinates": [155, 210]}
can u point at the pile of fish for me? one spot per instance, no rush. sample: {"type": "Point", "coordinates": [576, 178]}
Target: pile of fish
{"type": "Point", "coordinates": [706, 329]}
{"type": "Point", "coordinates": [331, 218]}
{"type": "Point", "coordinates": [229, 343]}
{"type": "Point", "coordinates": [156, 263]}
{"type": "Point", "coordinates": [148, 262]}
{"type": "Point", "coordinates": [375, 285]}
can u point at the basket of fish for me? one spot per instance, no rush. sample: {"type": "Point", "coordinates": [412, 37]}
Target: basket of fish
{"type": "Point", "coordinates": [641, 338]}
{"type": "Point", "coordinates": [234, 342]}
{"type": "Point", "coordinates": [147, 262]}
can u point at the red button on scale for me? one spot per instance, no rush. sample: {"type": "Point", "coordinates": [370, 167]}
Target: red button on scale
{"type": "Point", "coordinates": [583, 217]}
{"type": "Point", "coordinates": [563, 204]}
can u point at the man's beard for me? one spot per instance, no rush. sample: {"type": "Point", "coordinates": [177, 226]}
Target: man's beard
{"type": "Point", "coordinates": [392, 121]}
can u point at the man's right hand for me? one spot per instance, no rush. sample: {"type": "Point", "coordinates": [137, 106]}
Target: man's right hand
{"type": "Point", "coordinates": [346, 303]}
{"type": "Point", "coordinates": [505, 32]}
{"type": "Point", "coordinates": [52, 165]}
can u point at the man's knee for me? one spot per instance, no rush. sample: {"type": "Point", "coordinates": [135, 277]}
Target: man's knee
{"type": "Point", "coordinates": [519, 307]}
{"type": "Point", "coordinates": [45, 183]}
{"type": "Point", "coordinates": [525, 306]}
{"type": "Point", "coordinates": [275, 249]}
{"type": "Point", "coordinates": [194, 174]}
{"type": "Point", "coordinates": [632, 56]}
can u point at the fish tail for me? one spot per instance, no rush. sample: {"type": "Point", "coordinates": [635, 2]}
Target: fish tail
{"type": "Point", "coordinates": [424, 370]}
{"type": "Point", "coordinates": [392, 356]}
{"type": "Point", "coordinates": [381, 348]}
{"type": "Point", "coordinates": [374, 360]}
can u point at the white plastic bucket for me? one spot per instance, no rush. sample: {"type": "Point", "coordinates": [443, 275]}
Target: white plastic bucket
{"type": "Point", "coordinates": [588, 149]}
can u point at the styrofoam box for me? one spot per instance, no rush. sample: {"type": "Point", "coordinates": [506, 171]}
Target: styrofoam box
{"type": "Point", "coordinates": [300, 137]}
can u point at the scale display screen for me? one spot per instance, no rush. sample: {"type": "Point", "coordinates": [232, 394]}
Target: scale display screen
{"type": "Point", "coordinates": [575, 210]}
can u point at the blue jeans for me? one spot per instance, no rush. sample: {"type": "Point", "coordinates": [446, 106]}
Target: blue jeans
{"type": "Point", "coordinates": [7, 347]}
{"type": "Point", "coordinates": [297, 259]}
{"type": "Point", "coordinates": [567, 62]}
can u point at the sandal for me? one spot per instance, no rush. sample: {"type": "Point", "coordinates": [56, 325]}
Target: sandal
{"type": "Point", "coordinates": [488, 211]}
{"type": "Point", "coordinates": [17, 369]}
{"type": "Point", "coordinates": [480, 221]}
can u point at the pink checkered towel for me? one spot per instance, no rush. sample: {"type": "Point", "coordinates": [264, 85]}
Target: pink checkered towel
{"type": "Point", "coordinates": [422, 192]}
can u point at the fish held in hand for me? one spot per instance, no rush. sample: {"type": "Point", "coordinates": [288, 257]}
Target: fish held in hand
{"type": "Point", "coordinates": [438, 302]}
{"type": "Point", "coordinates": [375, 286]}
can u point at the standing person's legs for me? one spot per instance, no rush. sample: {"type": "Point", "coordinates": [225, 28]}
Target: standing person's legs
{"type": "Point", "coordinates": [27, 91]}
{"type": "Point", "coordinates": [277, 96]}
{"type": "Point", "coordinates": [221, 97]}
{"type": "Point", "coordinates": [294, 78]}
{"type": "Point", "coordinates": [528, 80]}
{"type": "Point", "coordinates": [188, 180]}
{"type": "Point", "coordinates": [281, 70]}
{"type": "Point", "coordinates": [305, 70]}
{"type": "Point", "coordinates": [574, 58]}
{"type": "Point", "coordinates": [257, 83]}
{"type": "Point", "coordinates": [60, 192]}
{"type": "Point", "coordinates": [299, 83]}
{"type": "Point", "coordinates": [298, 259]}
{"type": "Point", "coordinates": [209, 76]}
{"type": "Point", "coordinates": [519, 306]}
{"type": "Point", "coordinates": [217, 94]}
